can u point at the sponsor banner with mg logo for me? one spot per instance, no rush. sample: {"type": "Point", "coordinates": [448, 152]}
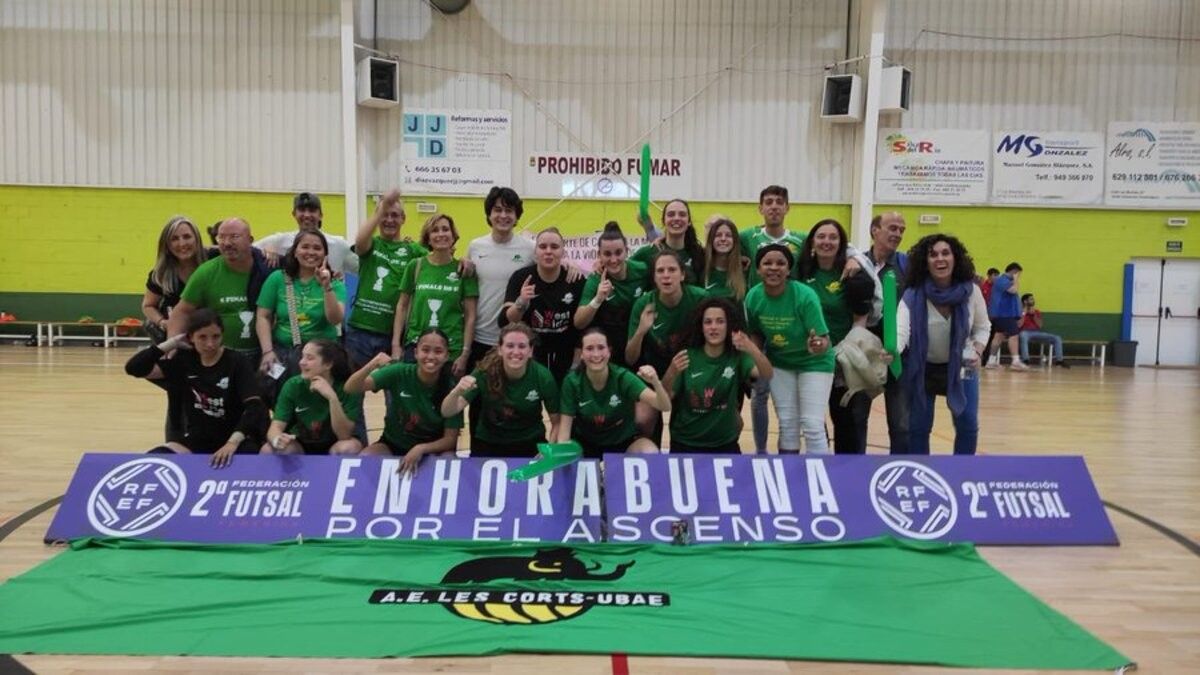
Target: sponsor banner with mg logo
{"type": "Point", "coordinates": [268, 499]}
{"type": "Point", "coordinates": [1047, 167]}
{"type": "Point", "coordinates": [986, 500]}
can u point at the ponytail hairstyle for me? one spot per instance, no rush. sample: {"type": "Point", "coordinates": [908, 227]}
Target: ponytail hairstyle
{"type": "Point", "coordinates": [612, 232]}
{"type": "Point", "coordinates": [735, 267]}
{"type": "Point", "coordinates": [445, 378]}
{"type": "Point", "coordinates": [493, 366]}
{"type": "Point", "coordinates": [335, 355]}
{"type": "Point", "coordinates": [691, 243]}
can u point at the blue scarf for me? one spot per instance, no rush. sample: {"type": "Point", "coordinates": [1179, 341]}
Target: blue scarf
{"type": "Point", "coordinates": [958, 297]}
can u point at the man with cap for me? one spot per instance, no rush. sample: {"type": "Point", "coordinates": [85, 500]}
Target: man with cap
{"type": "Point", "coordinates": [306, 209]}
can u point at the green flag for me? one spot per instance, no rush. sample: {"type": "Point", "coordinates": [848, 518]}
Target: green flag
{"type": "Point", "coordinates": [879, 600]}
{"type": "Point", "coordinates": [890, 340]}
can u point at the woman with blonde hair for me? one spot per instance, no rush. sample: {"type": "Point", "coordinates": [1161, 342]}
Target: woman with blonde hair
{"type": "Point", "coordinates": [724, 266]}
{"type": "Point", "coordinates": [543, 297]}
{"type": "Point", "coordinates": [180, 252]}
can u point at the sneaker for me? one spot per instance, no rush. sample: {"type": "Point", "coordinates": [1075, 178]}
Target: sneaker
{"type": "Point", "coordinates": [1062, 364]}
{"type": "Point", "coordinates": [1017, 365]}
{"type": "Point", "coordinates": [992, 364]}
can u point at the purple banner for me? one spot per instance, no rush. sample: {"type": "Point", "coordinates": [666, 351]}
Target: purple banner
{"type": "Point", "coordinates": [986, 500]}
{"type": "Point", "coordinates": [272, 498]}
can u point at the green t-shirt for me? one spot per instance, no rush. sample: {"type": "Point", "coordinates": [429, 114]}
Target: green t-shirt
{"type": "Point", "coordinates": [306, 412]}
{"type": "Point", "coordinates": [828, 286]}
{"type": "Point", "coordinates": [707, 396]}
{"type": "Point", "coordinates": [379, 272]}
{"type": "Point", "coordinates": [670, 327]}
{"type": "Point", "coordinates": [437, 294]}
{"type": "Point", "coordinates": [784, 322]}
{"type": "Point", "coordinates": [645, 255]}
{"type": "Point", "coordinates": [223, 290]}
{"type": "Point", "coordinates": [310, 307]}
{"type": "Point", "coordinates": [625, 291]}
{"type": "Point", "coordinates": [517, 416]}
{"type": "Point", "coordinates": [757, 237]}
{"type": "Point", "coordinates": [413, 416]}
{"type": "Point", "coordinates": [717, 284]}
{"type": "Point", "coordinates": [603, 418]}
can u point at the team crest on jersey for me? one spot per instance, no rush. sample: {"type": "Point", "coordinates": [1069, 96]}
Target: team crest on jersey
{"type": "Point", "coordinates": [453, 276]}
{"type": "Point", "coordinates": [834, 286]}
{"type": "Point", "coordinates": [637, 292]}
{"type": "Point", "coordinates": [532, 395]}
{"type": "Point", "coordinates": [568, 298]}
{"type": "Point", "coordinates": [223, 383]}
{"type": "Point", "coordinates": [727, 373]}
{"type": "Point", "coordinates": [614, 401]}
{"type": "Point", "coordinates": [779, 340]}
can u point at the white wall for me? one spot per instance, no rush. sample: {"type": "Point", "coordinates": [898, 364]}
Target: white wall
{"type": "Point", "coordinates": [1047, 83]}
{"type": "Point", "coordinates": [738, 84]}
{"type": "Point", "coordinates": [243, 94]}
{"type": "Point", "coordinates": [236, 94]}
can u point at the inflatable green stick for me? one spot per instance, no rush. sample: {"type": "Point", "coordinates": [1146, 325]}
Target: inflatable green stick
{"type": "Point", "coordinates": [554, 455]}
{"type": "Point", "coordinates": [644, 194]}
{"type": "Point", "coordinates": [889, 321]}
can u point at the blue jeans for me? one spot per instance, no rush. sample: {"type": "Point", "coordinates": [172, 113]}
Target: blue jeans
{"type": "Point", "coordinates": [966, 423]}
{"type": "Point", "coordinates": [362, 346]}
{"type": "Point", "coordinates": [760, 398]}
{"type": "Point", "coordinates": [1028, 336]}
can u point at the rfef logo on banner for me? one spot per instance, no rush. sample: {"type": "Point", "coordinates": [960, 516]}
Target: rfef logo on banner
{"type": "Point", "coordinates": [746, 499]}
{"type": "Point", "coordinates": [136, 497]}
{"type": "Point", "coordinates": [913, 500]}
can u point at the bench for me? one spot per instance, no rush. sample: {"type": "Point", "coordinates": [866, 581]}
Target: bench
{"type": "Point", "coordinates": [109, 333]}
{"type": "Point", "coordinates": [1097, 351]}
{"type": "Point", "coordinates": [35, 334]}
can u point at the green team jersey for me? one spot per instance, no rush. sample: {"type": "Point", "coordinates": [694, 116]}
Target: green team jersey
{"type": "Point", "coordinates": [645, 255]}
{"type": "Point", "coordinates": [379, 272]}
{"type": "Point", "coordinates": [603, 418]}
{"type": "Point", "coordinates": [215, 286]}
{"type": "Point", "coordinates": [717, 284]}
{"type": "Point", "coordinates": [310, 307]}
{"type": "Point", "coordinates": [670, 327]}
{"type": "Point", "coordinates": [306, 412]}
{"type": "Point", "coordinates": [437, 293]}
{"type": "Point", "coordinates": [413, 416]}
{"type": "Point", "coordinates": [625, 291]}
{"type": "Point", "coordinates": [828, 286]}
{"type": "Point", "coordinates": [707, 397]}
{"type": "Point", "coordinates": [517, 416]}
{"type": "Point", "coordinates": [757, 237]}
{"type": "Point", "coordinates": [784, 322]}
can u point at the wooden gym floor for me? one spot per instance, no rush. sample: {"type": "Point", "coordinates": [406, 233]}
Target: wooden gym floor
{"type": "Point", "coordinates": [1138, 428]}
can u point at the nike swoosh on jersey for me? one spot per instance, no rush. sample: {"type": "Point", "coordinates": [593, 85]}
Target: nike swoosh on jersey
{"type": "Point", "coordinates": [656, 326]}
{"type": "Point", "coordinates": [405, 394]}
{"type": "Point", "coordinates": [695, 375]}
{"type": "Point", "coordinates": [302, 409]}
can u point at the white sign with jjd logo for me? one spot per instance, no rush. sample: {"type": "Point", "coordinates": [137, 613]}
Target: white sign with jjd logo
{"type": "Point", "coordinates": [456, 151]}
{"type": "Point", "coordinates": [1153, 164]}
{"type": "Point", "coordinates": [1047, 167]}
{"type": "Point", "coordinates": [932, 166]}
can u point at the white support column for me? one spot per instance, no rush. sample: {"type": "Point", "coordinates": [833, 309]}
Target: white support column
{"type": "Point", "coordinates": [872, 23]}
{"type": "Point", "coordinates": [351, 183]}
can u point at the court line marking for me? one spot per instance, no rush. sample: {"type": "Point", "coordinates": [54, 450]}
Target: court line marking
{"type": "Point", "coordinates": [11, 526]}
{"type": "Point", "coordinates": [1178, 537]}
